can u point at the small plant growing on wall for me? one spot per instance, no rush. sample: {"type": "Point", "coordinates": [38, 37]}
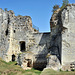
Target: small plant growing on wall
{"type": "Point", "coordinates": [55, 7]}
{"type": "Point", "coordinates": [5, 9]}
{"type": "Point", "coordinates": [19, 15]}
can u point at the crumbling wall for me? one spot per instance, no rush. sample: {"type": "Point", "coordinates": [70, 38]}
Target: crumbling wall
{"type": "Point", "coordinates": [41, 49]}
{"type": "Point", "coordinates": [56, 36]}
{"type": "Point", "coordinates": [42, 43]}
{"type": "Point", "coordinates": [62, 35]}
{"type": "Point", "coordinates": [17, 29]}
{"type": "Point", "coordinates": [13, 30]}
{"type": "Point", "coordinates": [68, 35]}
{"type": "Point", "coordinates": [4, 33]}
{"type": "Point", "coordinates": [38, 49]}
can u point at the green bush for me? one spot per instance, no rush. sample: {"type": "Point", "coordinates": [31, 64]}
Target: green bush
{"type": "Point", "coordinates": [55, 7]}
{"type": "Point", "coordinates": [65, 2]}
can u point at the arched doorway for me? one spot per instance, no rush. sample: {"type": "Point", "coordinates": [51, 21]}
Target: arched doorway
{"type": "Point", "coordinates": [22, 46]}
{"type": "Point", "coordinates": [13, 57]}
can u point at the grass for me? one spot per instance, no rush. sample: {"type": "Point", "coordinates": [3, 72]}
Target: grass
{"type": "Point", "coordinates": [12, 69]}
{"type": "Point", "coordinates": [52, 72]}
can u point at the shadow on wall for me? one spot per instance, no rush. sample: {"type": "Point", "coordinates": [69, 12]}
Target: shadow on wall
{"type": "Point", "coordinates": [56, 36]}
{"type": "Point", "coordinates": [56, 45]}
{"type": "Point", "coordinates": [41, 60]}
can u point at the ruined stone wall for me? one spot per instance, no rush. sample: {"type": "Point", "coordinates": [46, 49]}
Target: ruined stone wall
{"type": "Point", "coordinates": [68, 35]}
{"type": "Point", "coordinates": [20, 31]}
{"type": "Point", "coordinates": [56, 37]}
{"type": "Point", "coordinates": [39, 47]}
{"type": "Point", "coordinates": [42, 43]}
{"type": "Point", "coordinates": [62, 33]}
{"type": "Point", "coordinates": [4, 35]}
{"type": "Point", "coordinates": [13, 30]}
{"type": "Point", "coordinates": [17, 29]}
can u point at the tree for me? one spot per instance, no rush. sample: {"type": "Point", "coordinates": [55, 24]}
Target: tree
{"type": "Point", "coordinates": [65, 2]}
{"type": "Point", "coordinates": [55, 7]}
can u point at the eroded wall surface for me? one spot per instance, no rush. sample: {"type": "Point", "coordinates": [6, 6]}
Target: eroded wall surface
{"type": "Point", "coordinates": [38, 51]}
{"type": "Point", "coordinates": [63, 33]}
{"type": "Point", "coordinates": [68, 35]}
{"type": "Point", "coordinates": [15, 30]}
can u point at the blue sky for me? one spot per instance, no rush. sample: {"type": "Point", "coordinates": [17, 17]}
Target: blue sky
{"type": "Point", "coordinates": [39, 10]}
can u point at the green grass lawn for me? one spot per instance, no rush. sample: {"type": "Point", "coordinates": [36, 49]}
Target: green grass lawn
{"type": "Point", "coordinates": [12, 69]}
{"type": "Point", "coordinates": [52, 72]}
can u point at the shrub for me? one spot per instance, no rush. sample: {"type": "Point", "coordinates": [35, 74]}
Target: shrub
{"type": "Point", "coordinates": [55, 7]}
{"type": "Point", "coordinates": [65, 2]}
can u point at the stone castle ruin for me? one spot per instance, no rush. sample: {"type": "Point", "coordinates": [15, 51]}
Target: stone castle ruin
{"type": "Point", "coordinates": [20, 42]}
{"type": "Point", "coordinates": [18, 37]}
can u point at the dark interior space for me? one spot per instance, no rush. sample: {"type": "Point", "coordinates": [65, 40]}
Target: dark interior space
{"type": "Point", "coordinates": [13, 57]}
{"type": "Point", "coordinates": [39, 66]}
{"type": "Point", "coordinates": [14, 31]}
{"type": "Point", "coordinates": [29, 64]}
{"type": "Point", "coordinates": [40, 62]}
{"type": "Point", "coordinates": [22, 46]}
{"type": "Point", "coordinates": [6, 32]}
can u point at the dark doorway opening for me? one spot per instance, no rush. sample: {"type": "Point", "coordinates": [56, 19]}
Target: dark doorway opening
{"type": "Point", "coordinates": [14, 31]}
{"type": "Point", "coordinates": [22, 46]}
{"type": "Point", "coordinates": [39, 66]}
{"type": "Point", "coordinates": [29, 64]}
{"type": "Point", "coordinates": [13, 57]}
